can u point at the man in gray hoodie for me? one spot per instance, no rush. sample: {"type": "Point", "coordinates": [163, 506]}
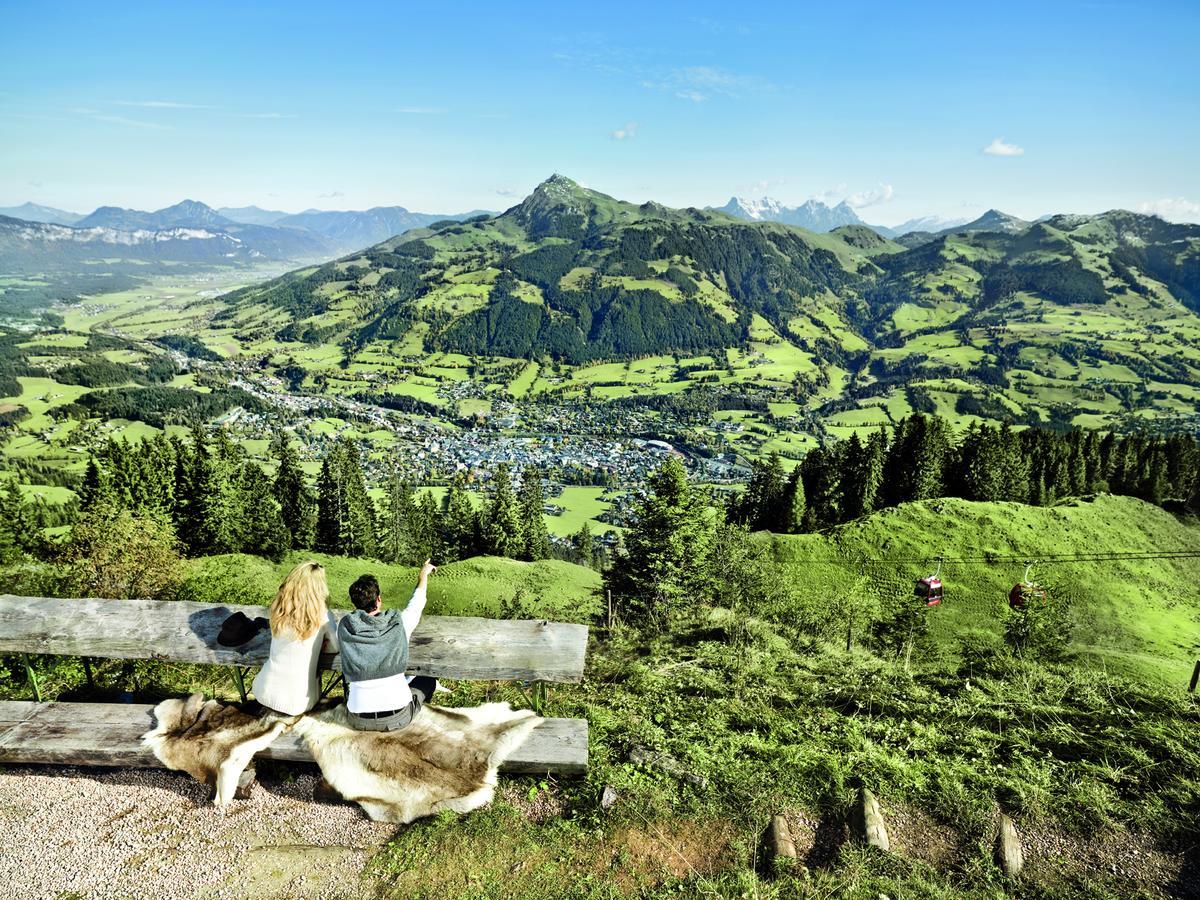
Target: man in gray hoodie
{"type": "Point", "coordinates": [374, 651]}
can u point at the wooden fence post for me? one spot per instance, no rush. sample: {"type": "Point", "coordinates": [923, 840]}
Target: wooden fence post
{"type": "Point", "coordinates": [1009, 855]}
{"type": "Point", "coordinates": [1195, 678]}
{"type": "Point", "coordinates": [874, 830]}
{"type": "Point", "coordinates": [609, 593]}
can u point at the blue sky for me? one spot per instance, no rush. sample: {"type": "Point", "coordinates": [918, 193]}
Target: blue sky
{"type": "Point", "coordinates": [906, 108]}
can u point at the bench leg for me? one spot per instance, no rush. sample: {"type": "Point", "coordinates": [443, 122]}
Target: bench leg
{"type": "Point", "coordinates": [240, 678]}
{"type": "Point", "coordinates": [87, 671]}
{"type": "Point", "coordinates": [245, 784]}
{"type": "Point", "coordinates": [333, 683]}
{"type": "Point", "coordinates": [324, 792]}
{"type": "Point", "coordinates": [32, 676]}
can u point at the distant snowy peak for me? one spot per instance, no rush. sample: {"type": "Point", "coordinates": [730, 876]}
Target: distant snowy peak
{"type": "Point", "coordinates": [812, 214]}
{"type": "Point", "coordinates": [764, 210]}
{"type": "Point", "coordinates": [932, 224]}
{"type": "Point", "coordinates": [45, 232]}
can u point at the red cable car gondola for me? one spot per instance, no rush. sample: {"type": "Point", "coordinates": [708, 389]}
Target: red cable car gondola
{"type": "Point", "coordinates": [1026, 591]}
{"type": "Point", "coordinates": [929, 589]}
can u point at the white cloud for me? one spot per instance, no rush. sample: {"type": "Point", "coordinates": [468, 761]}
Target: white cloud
{"type": "Point", "coordinates": [628, 133]}
{"type": "Point", "coordinates": [699, 83]}
{"type": "Point", "coordinates": [268, 115]}
{"type": "Point", "coordinates": [766, 184]}
{"type": "Point", "coordinates": [162, 104]}
{"type": "Point", "coordinates": [332, 195]}
{"type": "Point", "coordinates": [421, 110]}
{"type": "Point", "coordinates": [507, 192]}
{"type": "Point", "coordinates": [1000, 147]}
{"type": "Point", "coordinates": [1173, 209]}
{"type": "Point", "coordinates": [880, 194]}
{"type": "Point", "coordinates": [131, 123]}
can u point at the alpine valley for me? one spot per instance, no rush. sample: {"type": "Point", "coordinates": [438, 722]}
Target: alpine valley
{"type": "Point", "coordinates": [574, 327]}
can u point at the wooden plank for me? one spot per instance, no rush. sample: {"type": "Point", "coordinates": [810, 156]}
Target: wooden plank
{"type": "Point", "coordinates": [109, 734]}
{"type": "Point", "coordinates": [451, 647]}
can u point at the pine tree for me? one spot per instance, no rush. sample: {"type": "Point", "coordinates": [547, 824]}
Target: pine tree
{"type": "Point", "coordinates": [1014, 467]}
{"type": "Point", "coordinates": [862, 471]}
{"type": "Point", "coordinates": [794, 505]}
{"type": "Point", "coordinates": [761, 505]}
{"type": "Point", "coordinates": [822, 483]}
{"type": "Point", "coordinates": [501, 527]}
{"type": "Point", "coordinates": [216, 499]}
{"type": "Point", "coordinates": [158, 457]}
{"type": "Point", "coordinates": [20, 522]}
{"type": "Point", "coordinates": [296, 503]}
{"type": "Point", "coordinates": [345, 513]}
{"type": "Point", "coordinates": [425, 529]}
{"type": "Point", "coordinates": [97, 487]}
{"type": "Point", "coordinates": [533, 523]}
{"type": "Point", "coordinates": [584, 546]}
{"type": "Point", "coordinates": [459, 521]}
{"type": "Point", "coordinates": [395, 540]}
{"type": "Point", "coordinates": [263, 532]}
{"type": "Point", "coordinates": [664, 561]}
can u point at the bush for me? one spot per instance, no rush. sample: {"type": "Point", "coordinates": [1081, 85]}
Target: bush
{"type": "Point", "coordinates": [112, 553]}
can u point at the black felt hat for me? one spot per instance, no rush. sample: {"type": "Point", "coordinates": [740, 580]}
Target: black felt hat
{"type": "Point", "coordinates": [239, 629]}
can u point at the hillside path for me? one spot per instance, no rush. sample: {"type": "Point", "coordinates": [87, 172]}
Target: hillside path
{"type": "Point", "coordinates": [149, 833]}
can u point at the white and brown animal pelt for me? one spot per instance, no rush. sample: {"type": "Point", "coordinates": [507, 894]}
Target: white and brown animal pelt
{"type": "Point", "coordinates": [444, 759]}
{"type": "Point", "coordinates": [211, 741]}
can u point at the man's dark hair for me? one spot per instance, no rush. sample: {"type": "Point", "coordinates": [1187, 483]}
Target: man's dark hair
{"type": "Point", "coordinates": [364, 592]}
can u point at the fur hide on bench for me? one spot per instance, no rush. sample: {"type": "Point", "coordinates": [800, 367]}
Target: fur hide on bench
{"type": "Point", "coordinates": [444, 759]}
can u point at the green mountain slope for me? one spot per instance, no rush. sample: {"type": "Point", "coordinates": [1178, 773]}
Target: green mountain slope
{"type": "Point", "coordinates": [1077, 320]}
{"type": "Point", "coordinates": [1136, 617]}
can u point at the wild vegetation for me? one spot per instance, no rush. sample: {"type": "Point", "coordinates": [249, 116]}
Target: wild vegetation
{"type": "Point", "coordinates": [776, 673]}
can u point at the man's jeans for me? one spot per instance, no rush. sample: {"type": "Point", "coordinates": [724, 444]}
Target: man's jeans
{"type": "Point", "coordinates": [422, 688]}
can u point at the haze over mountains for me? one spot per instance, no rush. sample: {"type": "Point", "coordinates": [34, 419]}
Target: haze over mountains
{"type": "Point", "coordinates": [352, 229]}
{"type": "Point", "coordinates": [39, 240]}
{"type": "Point", "coordinates": [342, 229]}
{"type": "Point", "coordinates": [33, 212]}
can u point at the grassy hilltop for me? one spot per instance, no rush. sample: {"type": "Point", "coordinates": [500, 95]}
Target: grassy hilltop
{"type": "Point", "coordinates": [763, 711]}
{"type": "Point", "coordinates": [1140, 618]}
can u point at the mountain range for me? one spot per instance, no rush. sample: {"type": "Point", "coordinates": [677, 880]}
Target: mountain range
{"type": "Point", "coordinates": [32, 212]}
{"type": "Point", "coordinates": [59, 247]}
{"type": "Point", "coordinates": [814, 215]}
{"type": "Point", "coordinates": [1062, 321]}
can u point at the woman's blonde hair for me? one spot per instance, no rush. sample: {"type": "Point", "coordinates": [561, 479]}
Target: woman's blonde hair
{"type": "Point", "coordinates": [298, 610]}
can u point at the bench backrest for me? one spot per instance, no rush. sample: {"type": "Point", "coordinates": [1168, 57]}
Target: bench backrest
{"type": "Point", "coordinates": [451, 647]}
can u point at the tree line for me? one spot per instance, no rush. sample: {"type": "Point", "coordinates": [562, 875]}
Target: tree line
{"type": "Point", "coordinates": [922, 460]}
{"type": "Point", "coordinates": [217, 500]}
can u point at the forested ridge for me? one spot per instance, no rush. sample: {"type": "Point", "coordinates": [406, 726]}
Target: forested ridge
{"type": "Point", "coordinates": [213, 499]}
{"type": "Point", "coordinates": [576, 276]}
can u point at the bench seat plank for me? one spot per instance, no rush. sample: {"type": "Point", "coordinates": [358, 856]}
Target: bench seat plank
{"type": "Point", "coordinates": [109, 734]}
{"type": "Point", "coordinates": [450, 647]}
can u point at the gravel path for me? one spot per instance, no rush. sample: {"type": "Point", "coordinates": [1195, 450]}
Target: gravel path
{"type": "Point", "coordinates": [151, 833]}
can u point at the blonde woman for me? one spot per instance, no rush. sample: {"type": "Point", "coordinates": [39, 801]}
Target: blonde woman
{"type": "Point", "coordinates": [301, 624]}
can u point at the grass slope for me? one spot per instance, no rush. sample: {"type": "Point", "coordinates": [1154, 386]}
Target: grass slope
{"type": "Point", "coordinates": [1138, 618]}
{"type": "Point", "coordinates": [473, 587]}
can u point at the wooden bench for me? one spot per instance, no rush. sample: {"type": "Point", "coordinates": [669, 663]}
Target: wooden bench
{"type": "Point", "coordinates": [108, 734]}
